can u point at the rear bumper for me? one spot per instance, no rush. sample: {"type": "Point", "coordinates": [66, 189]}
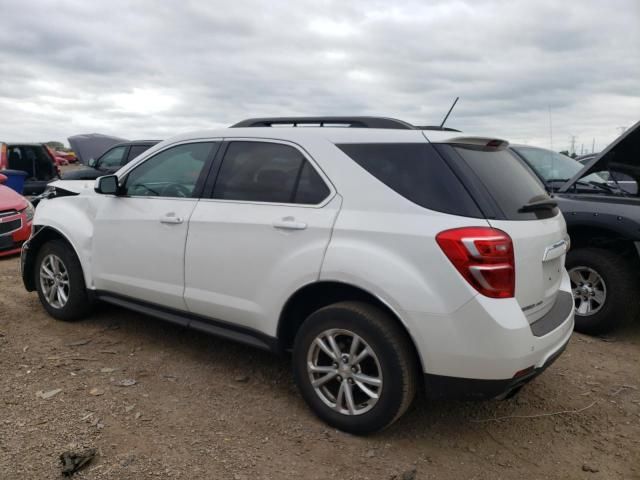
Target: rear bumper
{"type": "Point", "coordinates": [489, 341]}
{"type": "Point", "coordinates": [452, 388]}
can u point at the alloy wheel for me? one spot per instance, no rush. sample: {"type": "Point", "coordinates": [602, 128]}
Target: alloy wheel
{"type": "Point", "coordinates": [54, 280]}
{"type": "Point", "coordinates": [344, 372]}
{"type": "Point", "coordinates": [589, 290]}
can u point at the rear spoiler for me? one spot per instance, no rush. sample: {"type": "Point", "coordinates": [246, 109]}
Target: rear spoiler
{"type": "Point", "coordinates": [478, 142]}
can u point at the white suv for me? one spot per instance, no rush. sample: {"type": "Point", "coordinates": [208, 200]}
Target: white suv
{"type": "Point", "coordinates": [382, 256]}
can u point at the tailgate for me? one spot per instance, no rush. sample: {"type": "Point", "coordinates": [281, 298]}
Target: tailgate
{"type": "Point", "coordinates": [522, 209]}
{"type": "Point", "coordinates": [539, 248]}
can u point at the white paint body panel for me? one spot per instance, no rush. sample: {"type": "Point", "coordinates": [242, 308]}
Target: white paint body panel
{"type": "Point", "coordinates": [242, 269]}
{"type": "Point", "coordinates": [136, 254]}
{"type": "Point", "coordinates": [228, 262]}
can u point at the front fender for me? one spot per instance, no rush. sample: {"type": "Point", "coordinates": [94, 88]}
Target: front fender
{"type": "Point", "coordinates": [69, 218]}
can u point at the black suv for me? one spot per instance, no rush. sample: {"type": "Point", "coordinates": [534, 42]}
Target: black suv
{"type": "Point", "coordinates": [601, 206]}
{"type": "Point", "coordinates": [110, 161]}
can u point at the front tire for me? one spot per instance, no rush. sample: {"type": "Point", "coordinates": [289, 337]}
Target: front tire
{"type": "Point", "coordinates": [355, 367]}
{"type": "Point", "coordinates": [60, 282]}
{"type": "Point", "coordinates": [604, 289]}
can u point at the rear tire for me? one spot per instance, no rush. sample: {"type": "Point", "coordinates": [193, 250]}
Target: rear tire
{"type": "Point", "coordinates": [60, 282]}
{"type": "Point", "coordinates": [388, 370]}
{"type": "Point", "coordinates": [619, 282]}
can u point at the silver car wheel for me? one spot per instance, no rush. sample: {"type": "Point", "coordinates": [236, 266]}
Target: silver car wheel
{"type": "Point", "coordinates": [344, 372]}
{"type": "Point", "coordinates": [589, 290]}
{"type": "Point", "coordinates": [54, 281]}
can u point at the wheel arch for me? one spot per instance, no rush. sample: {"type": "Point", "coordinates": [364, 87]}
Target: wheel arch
{"type": "Point", "coordinates": [313, 296]}
{"type": "Point", "coordinates": [42, 235]}
{"type": "Point", "coordinates": [586, 235]}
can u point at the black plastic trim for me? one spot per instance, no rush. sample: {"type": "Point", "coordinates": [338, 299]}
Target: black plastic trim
{"type": "Point", "coordinates": [351, 122]}
{"type": "Point", "coordinates": [440, 387]}
{"type": "Point", "coordinates": [212, 326]}
{"type": "Point", "coordinates": [554, 317]}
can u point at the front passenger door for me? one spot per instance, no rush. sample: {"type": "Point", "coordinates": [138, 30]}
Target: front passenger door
{"type": "Point", "coordinates": [140, 235]}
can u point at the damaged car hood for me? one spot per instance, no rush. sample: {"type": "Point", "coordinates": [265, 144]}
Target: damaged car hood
{"type": "Point", "coordinates": [92, 145]}
{"type": "Point", "coordinates": [622, 155]}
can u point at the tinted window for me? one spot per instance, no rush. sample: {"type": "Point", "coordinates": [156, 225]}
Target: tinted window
{"type": "Point", "coordinates": [32, 159]}
{"type": "Point", "coordinates": [113, 158]}
{"type": "Point", "coordinates": [311, 188]}
{"type": "Point", "coordinates": [171, 173]}
{"type": "Point", "coordinates": [268, 172]}
{"type": "Point", "coordinates": [417, 172]}
{"type": "Point", "coordinates": [136, 150]}
{"type": "Point", "coordinates": [511, 184]}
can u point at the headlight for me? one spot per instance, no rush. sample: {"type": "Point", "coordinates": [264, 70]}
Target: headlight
{"type": "Point", "coordinates": [29, 211]}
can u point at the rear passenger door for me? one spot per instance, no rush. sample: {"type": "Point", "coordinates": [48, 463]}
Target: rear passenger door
{"type": "Point", "coordinates": [259, 235]}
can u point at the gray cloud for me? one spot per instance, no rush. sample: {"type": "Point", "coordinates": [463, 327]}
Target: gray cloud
{"type": "Point", "coordinates": [155, 69]}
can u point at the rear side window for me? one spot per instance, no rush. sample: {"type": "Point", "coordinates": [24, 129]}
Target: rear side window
{"type": "Point", "coordinates": [417, 172]}
{"type": "Point", "coordinates": [268, 172]}
{"type": "Point", "coordinates": [507, 180]}
{"type": "Point", "coordinates": [136, 150]}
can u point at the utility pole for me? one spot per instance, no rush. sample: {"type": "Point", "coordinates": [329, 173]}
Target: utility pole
{"type": "Point", "coordinates": [573, 144]}
{"type": "Point", "coordinates": [582, 149]}
{"type": "Point", "coordinates": [593, 145]}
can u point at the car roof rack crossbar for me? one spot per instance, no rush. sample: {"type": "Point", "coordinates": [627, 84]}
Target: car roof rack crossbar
{"type": "Point", "coordinates": [352, 122]}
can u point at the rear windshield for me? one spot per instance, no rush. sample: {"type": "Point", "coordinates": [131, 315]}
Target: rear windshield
{"type": "Point", "coordinates": [508, 181]}
{"type": "Point", "coordinates": [417, 172]}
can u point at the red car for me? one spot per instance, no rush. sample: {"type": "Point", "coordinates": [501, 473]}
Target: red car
{"type": "Point", "coordinates": [16, 217]}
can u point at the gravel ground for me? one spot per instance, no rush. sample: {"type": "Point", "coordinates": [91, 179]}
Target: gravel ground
{"type": "Point", "coordinates": [204, 408]}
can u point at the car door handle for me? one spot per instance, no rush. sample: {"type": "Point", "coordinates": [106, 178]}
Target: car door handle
{"type": "Point", "coordinates": [289, 223]}
{"type": "Point", "coordinates": [171, 219]}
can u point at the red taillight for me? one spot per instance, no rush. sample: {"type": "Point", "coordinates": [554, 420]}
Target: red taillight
{"type": "Point", "coordinates": [4, 164]}
{"type": "Point", "coordinates": [483, 256]}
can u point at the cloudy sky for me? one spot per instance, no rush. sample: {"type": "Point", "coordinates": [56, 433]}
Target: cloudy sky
{"type": "Point", "coordinates": [153, 69]}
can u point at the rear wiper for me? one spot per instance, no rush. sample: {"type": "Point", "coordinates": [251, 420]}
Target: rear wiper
{"type": "Point", "coordinates": [546, 204]}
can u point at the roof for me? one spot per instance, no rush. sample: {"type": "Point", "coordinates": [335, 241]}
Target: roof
{"type": "Point", "coordinates": [331, 134]}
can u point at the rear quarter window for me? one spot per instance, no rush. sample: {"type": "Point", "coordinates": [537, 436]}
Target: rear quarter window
{"type": "Point", "coordinates": [417, 172]}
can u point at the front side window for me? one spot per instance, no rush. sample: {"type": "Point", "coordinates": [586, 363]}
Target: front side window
{"type": "Point", "coordinates": [112, 159]}
{"type": "Point", "coordinates": [171, 173]}
{"type": "Point", "coordinates": [268, 172]}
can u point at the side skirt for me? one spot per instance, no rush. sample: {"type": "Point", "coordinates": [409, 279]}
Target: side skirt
{"type": "Point", "coordinates": [219, 328]}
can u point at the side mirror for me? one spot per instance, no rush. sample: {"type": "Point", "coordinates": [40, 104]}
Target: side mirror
{"type": "Point", "coordinates": [3, 179]}
{"type": "Point", "coordinates": [107, 185]}
{"type": "Point", "coordinates": [92, 162]}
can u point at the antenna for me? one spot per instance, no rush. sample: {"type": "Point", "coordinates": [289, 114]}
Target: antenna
{"type": "Point", "coordinates": [449, 112]}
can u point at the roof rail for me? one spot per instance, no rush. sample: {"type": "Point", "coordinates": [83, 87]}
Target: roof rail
{"type": "Point", "coordinates": [352, 122]}
{"type": "Point", "coordinates": [436, 127]}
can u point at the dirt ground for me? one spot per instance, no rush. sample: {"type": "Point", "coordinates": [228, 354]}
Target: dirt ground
{"type": "Point", "coordinates": [203, 408]}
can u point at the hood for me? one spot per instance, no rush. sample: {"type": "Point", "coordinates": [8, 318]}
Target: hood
{"type": "Point", "coordinates": [81, 187]}
{"type": "Point", "coordinates": [622, 155]}
{"type": "Point", "coordinates": [11, 200]}
{"type": "Point", "coordinates": [92, 145]}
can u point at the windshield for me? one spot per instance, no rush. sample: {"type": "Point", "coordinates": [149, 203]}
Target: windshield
{"type": "Point", "coordinates": [552, 166]}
